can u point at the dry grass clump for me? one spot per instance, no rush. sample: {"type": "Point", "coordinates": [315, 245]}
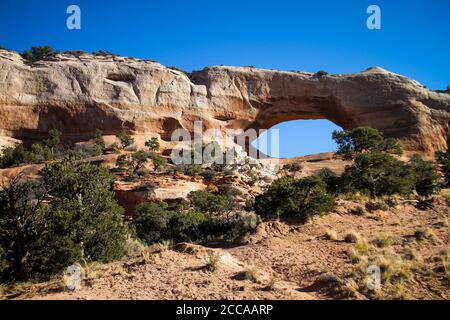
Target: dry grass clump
{"type": "Point", "coordinates": [353, 255]}
{"type": "Point", "coordinates": [443, 260]}
{"type": "Point", "coordinates": [401, 293]}
{"type": "Point", "coordinates": [133, 248]}
{"type": "Point", "coordinates": [272, 284]}
{"type": "Point", "coordinates": [362, 247]}
{"type": "Point", "coordinates": [355, 196]}
{"type": "Point", "coordinates": [413, 255]}
{"type": "Point", "coordinates": [359, 211]}
{"type": "Point", "coordinates": [372, 206]}
{"type": "Point", "coordinates": [252, 275]}
{"type": "Point", "coordinates": [393, 267]}
{"type": "Point", "coordinates": [422, 234]}
{"type": "Point", "coordinates": [384, 240]}
{"type": "Point", "coordinates": [162, 246]}
{"type": "Point", "coordinates": [352, 236]}
{"type": "Point", "coordinates": [345, 288]}
{"type": "Point", "coordinates": [212, 263]}
{"type": "Point", "coordinates": [330, 234]}
{"type": "Point", "coordinates": [442, 223]}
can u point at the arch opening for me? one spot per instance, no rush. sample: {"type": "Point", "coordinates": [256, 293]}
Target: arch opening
{"type": "Point", "coordinates": [297, 138]}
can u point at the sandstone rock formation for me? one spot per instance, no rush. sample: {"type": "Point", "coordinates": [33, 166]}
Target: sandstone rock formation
{"type": "Point", "coordinates": [79, 93]}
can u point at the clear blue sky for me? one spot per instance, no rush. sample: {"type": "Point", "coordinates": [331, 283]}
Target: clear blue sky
{"type": "Point", "coordinates": [288, 35]}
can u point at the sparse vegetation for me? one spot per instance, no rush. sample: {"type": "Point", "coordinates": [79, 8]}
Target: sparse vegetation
{"type": "Point", "coordinates": [153, 145]}
{"type": "Point", "coordinates": [293, 167]}
{"type": "Point", "coordinates": [207, 215]}
{"type": "Point", "coordinates": [212, 263]}
{"type": "Point", "coordinates": [352, 236]}
{"type": "Point", "coordinates": [49, 149]}
{"type": "Point", "coordinates": [38, 53]}
{"type": "Point", "coordinates": [98, 143]}
{"type": "Point", "coordinates": [126, 140]}
{"type": "Point", "coordinates": [443, 160]}
{"type": "Point", "coordinates": [362, 140]}
{"type": "Point", "coordinates": [299, 198]}
{"type": "Point", "coordinates": [58, 221]}
{"type": "Point", "coordinates": [321, 73]}
{"type": "Point", "coordinates": [252, 274]}
{"type": "Point", "coordinates": [330, 234]}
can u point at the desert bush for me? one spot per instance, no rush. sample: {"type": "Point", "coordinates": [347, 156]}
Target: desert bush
{"type": "Point", "coordinates": [212, 263]}
{"type": "Point", "coordinates": [299, 198]}
{"type": "Point", "coordinates": [359, 211]}
{"type": "Point", "coordinates": [103, 53]}
{"type": "Point", "coordinates": [205, 216]}
{"type": "Point", "coordinates": [125, 138]}
{"type": "Point", "coordinates": [378, 174]}
{"type": "Point", "coordinates": [49, 149]}
{"type": "Point", "coordinates": [363, 139]}
{"type": "Point", "coordinates": [152, 222]}
{"type": "Point", "coordinates": [98, 144]}
{"type": "Point", "coordinates": [426, 178]}
{"type": "Point", "coordinates": [38, 53]}
{"type": "Point", "coordinates": [383, 241]}
{"type": "Point", "coordinates": [252, 274]}
{"type": "Point", "coordinates": [333, 181]}
{"type": "Point", "coordinates": [375, 205]}
{"type": "Point", "coordinates": [321, 73]}
{"type": "Point", "coordinates": [331, 234]}
{"type": "Point", "coordinates": [133, 248]}
{"type": "Point", "coordinates": [422, 234]}
{"type": "Point", "coordinates": [157, 222]}
{"type": "Point", "coordinates": [3, 261]}
{"type": "Point", "coordinates": [193, 170]}
{"type": "Point", "coordinates": [70, 216]}
{"type": "Point", "coordinates": [209, 202]}
{"type": "Point", "coordinates": [293, 167]}
{"type": "Point", "coordinates": [153, 144]}
{"type": "Point", "coordinates": [159, 163]}
{"type": "Point", "coordinates": [443, 160]}
{"type": "Point", "coordinates": [352, 236]}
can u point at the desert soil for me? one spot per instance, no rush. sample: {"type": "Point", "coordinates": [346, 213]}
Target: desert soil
{"type": "Point", "coordinates": [284, 261]}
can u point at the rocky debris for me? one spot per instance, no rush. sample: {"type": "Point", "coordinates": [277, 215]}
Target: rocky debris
{"type": "Point", "coordinates": [80, 93]}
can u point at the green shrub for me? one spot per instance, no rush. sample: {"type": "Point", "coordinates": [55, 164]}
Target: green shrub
{"type": "Point", "coordinates": [293, 167]}
{"type": "Point", "coordinates": [299, 198]}
{"type": "Point", "coordinates": [159, 163]}
{"type": "Point", "coordinates": [98, 143]}
{"type": "Point", "coordinates": [426, 178]}
{"type": "Point", "coordinates": [38, 53]}
{"type": "Point", "coordinates": [157, 222]}
{"type": "Point", "coordinates": [125, 139]}
{"type": "Point", "coordinates": [333, 181]}
{"type": "Point", "coordinates": [363, 139]}
{"type": "Point", "coordinates": [208, 202]}
{"type": "Point", "coordinates": [321, 73]}
{"type": "Point", "coordinates": [70, 216]}
{"type": "Point", "coordinates": [3, 262]}
{"type": "Point", "coordinates": [152, 222]}
{"type": "Point", "coordinates": [443, 160]}
{"type": "Point", "coordinates": [37, 153]}
{"type": "Point", "coordinates": [377, 174]}
{"type": "Point", "coordinates": [153, 144]}
{"type": "Point", "coordinates": [193, 170]}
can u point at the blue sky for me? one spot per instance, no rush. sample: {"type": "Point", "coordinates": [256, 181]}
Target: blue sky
{"type": "Point", "coordinates": [287, 35]}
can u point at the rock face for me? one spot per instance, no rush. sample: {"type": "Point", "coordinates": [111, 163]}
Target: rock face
{"type": "Point", "coordinates": [79, 93]}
